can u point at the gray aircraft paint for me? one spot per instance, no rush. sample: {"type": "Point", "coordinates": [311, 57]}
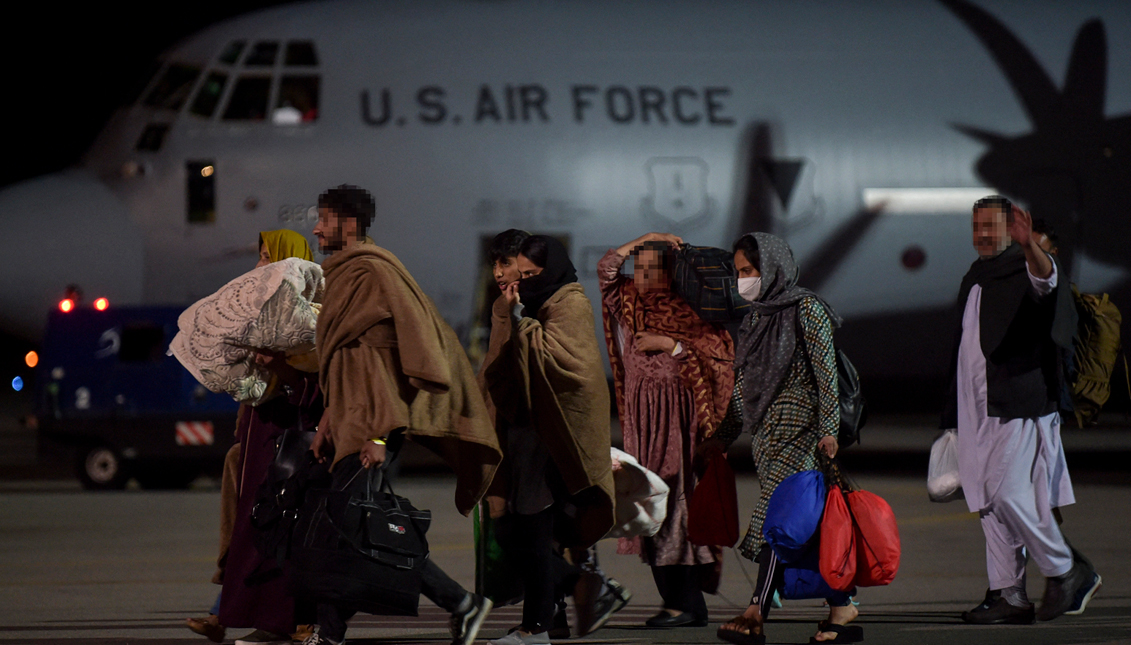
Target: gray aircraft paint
{"type": "Point", "coordinates": [859, 95]}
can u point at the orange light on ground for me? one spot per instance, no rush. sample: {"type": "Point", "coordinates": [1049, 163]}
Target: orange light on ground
{"type": "Point", "coordinates": [32, 359]}
{"type": "Point", "coordinates": [66, 305]}
{"type": "Point", "coordinates": [102, 304]}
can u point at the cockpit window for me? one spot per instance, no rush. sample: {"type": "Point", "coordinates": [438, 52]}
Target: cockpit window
{"type": "Point", "coordinates": [298, 101]}
{"type": "Point", "coordinates": [232, 52]}
{"type": "Point", "coordinates": [262, 54]}
{"type": "Point", "coordinates": [249, 99]}
{"type": "Point", "coordinates": [208, 96]}
{"type": "Point", "coordinates": [173, 87]}
{"type": "Point", "coordinates": [300, 53]}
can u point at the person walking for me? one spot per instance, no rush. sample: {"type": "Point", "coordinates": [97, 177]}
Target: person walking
{"type": "Point", "coordinates": [391, 368]}
{"type": "Point", "coordinates": [266, 606]}
{"type": "Point", "coordinates": [547, 381]}
{"type": "Point", "coordinates": [1018, 320]}
{"type": "Point", "coordinates": [785, 396]}
{"type": "Point", "coordinates": [674, 378]}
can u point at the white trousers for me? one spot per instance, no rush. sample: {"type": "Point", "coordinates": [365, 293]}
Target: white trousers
{"type": "Point", "coordinates": [1019, 519]}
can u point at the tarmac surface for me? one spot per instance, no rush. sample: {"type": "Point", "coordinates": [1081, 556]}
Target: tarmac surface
{"type": "Point", "coordinates": [107, 568]}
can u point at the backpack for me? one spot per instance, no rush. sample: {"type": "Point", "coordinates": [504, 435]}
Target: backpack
{"type": "Point", "coordinates": [1097, 346]}
{"type": "Point", "coordinates": [853, 407]}
{"type": "Point", "coordinates": [704, 277]}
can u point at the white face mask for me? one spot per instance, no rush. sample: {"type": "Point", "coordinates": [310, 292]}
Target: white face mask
{"type": "Point", "coordinates": [750, 288]}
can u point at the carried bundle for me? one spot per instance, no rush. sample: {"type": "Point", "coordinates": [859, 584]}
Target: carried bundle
{"type": "Point", "coordinates": [273, 308]}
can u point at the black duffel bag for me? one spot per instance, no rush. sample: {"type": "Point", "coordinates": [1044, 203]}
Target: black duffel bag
{"type": "Point", "coordinates": [361, 549]}
{"type": "Point", "coordinates": [704, 276]}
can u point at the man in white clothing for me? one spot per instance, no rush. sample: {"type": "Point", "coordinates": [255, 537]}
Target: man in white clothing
{"type": "Point", "coordinates": [1003, 401]}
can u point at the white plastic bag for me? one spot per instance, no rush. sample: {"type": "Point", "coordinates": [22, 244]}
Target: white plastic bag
{"type": "Point", "coordinates": [943, 483]}
{"type": "Point", "coordinates": [642, 498]}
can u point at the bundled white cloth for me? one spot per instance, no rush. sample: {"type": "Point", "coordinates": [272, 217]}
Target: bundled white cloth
{"type": "Point", "coordinates": [274, 307]}
{"type": "Point", "coordinates": [642, 498]}
{"type": "Point", "coordinates": [943, 482]}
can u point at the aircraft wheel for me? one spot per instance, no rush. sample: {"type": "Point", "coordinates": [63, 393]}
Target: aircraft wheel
{"type": "Point", "coordinates": [101, 468]}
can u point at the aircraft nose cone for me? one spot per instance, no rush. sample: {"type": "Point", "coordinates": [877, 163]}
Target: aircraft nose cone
{"type": "Point", "coordinates": [61, 229]}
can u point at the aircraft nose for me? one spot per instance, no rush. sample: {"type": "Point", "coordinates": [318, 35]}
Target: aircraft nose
{"type": "Point", "coordinates": [60, 229]}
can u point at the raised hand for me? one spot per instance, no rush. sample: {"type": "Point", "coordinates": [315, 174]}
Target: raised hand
{"type": "Point", "coordinates": [1021, 228]}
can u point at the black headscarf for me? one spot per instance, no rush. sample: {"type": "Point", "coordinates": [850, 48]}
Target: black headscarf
{"type": "Point", "coordinates": [767, 338]}
{"type": "Point", "coordinates": [558, 272]}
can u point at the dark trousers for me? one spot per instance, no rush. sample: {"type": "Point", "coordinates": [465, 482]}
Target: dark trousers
{"type": "Point", "coordinates": [680, 586]}
{"type": "Point", "coordinates": [435, 585]}
{"type": "Point", "coordinates": [771, 578]}
{"type": "Point", "coordinates": [546, 574]}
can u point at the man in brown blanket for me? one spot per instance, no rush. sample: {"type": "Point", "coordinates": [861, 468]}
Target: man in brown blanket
{"type": "Point", "coordinates": [390, 367]}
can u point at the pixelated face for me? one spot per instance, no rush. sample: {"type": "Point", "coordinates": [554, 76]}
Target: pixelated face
{"type": "Point", "coordinates": [526, 268]}
{"type": "Point", "coordinates": [506, 271]}
{"type": "Point", "coordinates": [743, 267]}
{"type": "Point", "coordinates": [264, 257]}
{"type": "Point", "coordinates": [333, 230]}
{"type": "Point", "coordinates": [991, 232]}
{"type": "Point", "coordinates": [648, 271]}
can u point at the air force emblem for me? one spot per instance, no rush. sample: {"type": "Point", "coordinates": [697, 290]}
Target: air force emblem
{"type": "Point", "coordinates": [677, 192]}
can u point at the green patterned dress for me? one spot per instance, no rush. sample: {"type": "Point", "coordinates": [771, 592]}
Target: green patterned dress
{"type": "Point", "coordinates": [805, 410]}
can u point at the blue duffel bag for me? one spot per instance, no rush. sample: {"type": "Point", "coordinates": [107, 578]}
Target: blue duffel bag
{"type": "Point", "coordinates": [803, 579]}
{"type": "Point", "coordinates": [794, 514]}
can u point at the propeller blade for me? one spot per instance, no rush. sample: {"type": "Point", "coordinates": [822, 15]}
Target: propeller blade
{"type": "Point", "coordinates": [1086, 84]}
{"type": "Point", "coordinates": [989, 138]}
{"type": "Point", "coordinates": [1033, 86]}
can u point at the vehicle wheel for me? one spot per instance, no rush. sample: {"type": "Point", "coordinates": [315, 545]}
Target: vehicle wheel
{"type": "Point", "coordinates": [165, 478]}
{"type": "Point", "coordinates": [101, 468]}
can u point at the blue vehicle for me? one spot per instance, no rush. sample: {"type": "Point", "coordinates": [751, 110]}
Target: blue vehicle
{"type": "Point", "coordinates": [108, 397]}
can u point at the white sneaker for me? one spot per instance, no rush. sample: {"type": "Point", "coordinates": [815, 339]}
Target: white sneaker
{"type": "Point", "coordinates": [465, 625]}
{"type": "Point", "coordinates": [516, 638]}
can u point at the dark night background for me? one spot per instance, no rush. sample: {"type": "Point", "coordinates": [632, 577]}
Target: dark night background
{"type": "Point", "coordinates": [67, 69]}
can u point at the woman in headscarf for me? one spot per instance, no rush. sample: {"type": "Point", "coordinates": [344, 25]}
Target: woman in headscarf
{"type": "Point", "coordinates": [785, 395]}
{"type": "Point", "coordinates": [674, 378]}
{"type": "Point", "coordinates": [267, 607]}
{"type": "Point", "coordinates": [547, 381]}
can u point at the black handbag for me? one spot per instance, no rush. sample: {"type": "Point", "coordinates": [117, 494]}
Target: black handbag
{"type": "Point", "coordinates": [362, 550]}
{"type": "Point", "coordinates": [279, 497]}
{"type": "Point", "coordinates": [704, 276]}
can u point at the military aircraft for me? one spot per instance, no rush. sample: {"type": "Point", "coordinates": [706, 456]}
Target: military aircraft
{"type": "Point", "coordinates": [860, 131]}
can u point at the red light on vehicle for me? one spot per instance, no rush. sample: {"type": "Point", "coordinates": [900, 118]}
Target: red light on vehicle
{"type": "Point", "coordinates": [32, 359]}
{"type": "Point", "coordinates": [66, 305]}
{"type": "Point", "coordinates": [102, 304]}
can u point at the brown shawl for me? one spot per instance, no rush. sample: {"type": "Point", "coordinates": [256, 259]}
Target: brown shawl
{"type": "Point", "coordinates": [387, 360]}
{"type": "Point", "coordinates": [707, 369]}
{"type": "Point", "coordinates": [551, 366]}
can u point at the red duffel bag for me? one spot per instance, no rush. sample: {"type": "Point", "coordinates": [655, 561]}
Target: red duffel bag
{"type": "Point", "coordinates": [877, 539]}
{"type": "Point", "coordinates": [838, 556]}
{"type": "Point", "coordinates": [712, 512]}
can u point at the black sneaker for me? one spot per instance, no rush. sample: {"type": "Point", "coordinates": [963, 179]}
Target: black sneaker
{"type": "Point", "coordinates": [1085, 595]}
{"type": "Point", "coordinates": [560, 630]}
{"type": "Point", "coordinates": [1061, 591]}
{"type": "Point", "coordinates": [465, 625]}
{"type": "Point", "coordinates": [593, 615]}
{"type": "Point", "coordinates": [996, 610]}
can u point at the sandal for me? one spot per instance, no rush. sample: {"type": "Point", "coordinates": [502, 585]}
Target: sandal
{"type": "Point", "coordinates": [844, 633]}
{"type": "Point", "coordinates": [737, 637]}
